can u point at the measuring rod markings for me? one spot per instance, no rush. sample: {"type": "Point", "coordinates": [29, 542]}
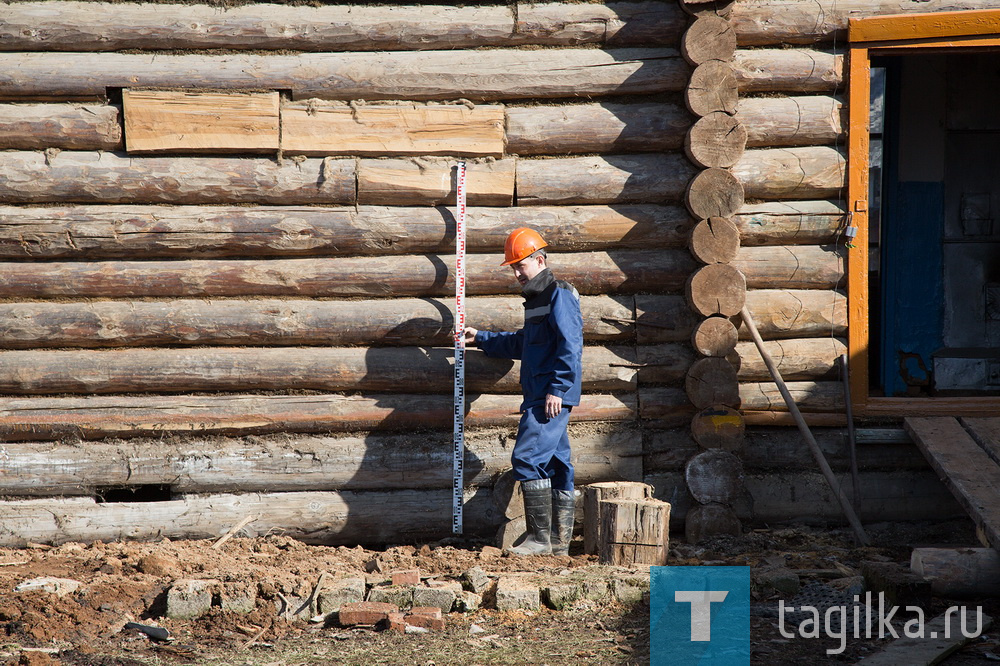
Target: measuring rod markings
{"type": "Point", "coordinates": [458, 440]}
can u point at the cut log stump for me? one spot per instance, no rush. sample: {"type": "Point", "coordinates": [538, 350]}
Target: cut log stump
{"type": "Point", "coordinates": [594, 494]}
{"type": "Point", "coordinates": [634, 532]}
{"type": "Point", "coordinates": [718, 427]}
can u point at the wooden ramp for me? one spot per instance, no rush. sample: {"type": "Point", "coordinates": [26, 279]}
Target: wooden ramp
{"type": "Point", "coordinates": [965, 452]}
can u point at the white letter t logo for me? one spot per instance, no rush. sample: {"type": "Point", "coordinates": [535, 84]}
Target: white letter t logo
{"type": "Point", "coordinates": [701, 610]}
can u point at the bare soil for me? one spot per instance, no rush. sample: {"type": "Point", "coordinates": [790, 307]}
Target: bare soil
{"type": "Point", "coordinates": [127, 582]}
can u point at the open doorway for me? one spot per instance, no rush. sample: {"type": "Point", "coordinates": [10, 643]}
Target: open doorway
{"type": "Point", "coordinates": [934, 236]}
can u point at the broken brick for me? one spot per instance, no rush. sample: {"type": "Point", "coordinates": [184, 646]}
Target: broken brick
{"type": "Point", "coordinates": [365, 612]}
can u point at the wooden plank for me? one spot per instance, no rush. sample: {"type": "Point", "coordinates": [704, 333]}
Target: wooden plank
{"type": "Point", "coordinates": [986, 432]}
{"type": "Point", "coordinates": [626, 271]}
{"type": "Point", "coordinates": [941, 636]}
{"type": "Point", "coordinates": [273, 322]}
{"type": "Point", "coordinates": [322, 128]}
{"type": "Point", "coordinates": [858, 103]}
{"type": "Point", "coordinates": [123, 232]}
{"type": "Point", "coordinates": [900, 407]}
{"type": "Point", "coordinates": [965, 468]}
{"type": "Point", "coordinates": [430, 181]}
{"type": "Point", "coordinates": [64, 126]}
{"type": "Point", "coordinates": [985, 22]}
{"type": "Point", "coordinates": [384, 369]}
{"type": "Point", "coordinates": [787, 70]}
{"type": "Point", "coordinates": [278, 463]}
{"type": "Point", "coordinates": [162, 121]}
{"type": "Point", "coordinates": [91, 177]}
{"type": "Point", "coordinates": [493, 74]}
{"type": "Point", "coordinates": [96, 417]}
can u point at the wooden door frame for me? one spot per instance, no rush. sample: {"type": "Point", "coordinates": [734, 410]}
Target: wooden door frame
{"type": "Point", "coordinates": [894, 35]}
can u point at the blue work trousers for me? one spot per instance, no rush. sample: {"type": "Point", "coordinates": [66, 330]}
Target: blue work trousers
{"type": "Point", "coordinates": [542, 448]}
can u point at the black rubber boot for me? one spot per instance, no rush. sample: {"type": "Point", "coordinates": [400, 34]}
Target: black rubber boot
{"type": "Point", "coordinates": [563, 513]}
{"type": "Point", "coordinates": [537, 495]}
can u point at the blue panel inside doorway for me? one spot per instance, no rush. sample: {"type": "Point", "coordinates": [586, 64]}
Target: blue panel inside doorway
{"type": "Point", "coordinates": [913, 285]}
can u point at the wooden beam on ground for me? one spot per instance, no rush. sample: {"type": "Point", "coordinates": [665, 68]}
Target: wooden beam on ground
{"type": "Point", "coordinates": [278, 322]}
{"type": "Point", "coordinates": [620, 272]}
{"type": "Point", "coordinates": [384, 369]}
{"type": "Point", "coordinates": [164, 121]}
{"type": "Point", "coordinates": [986, 432]}
{"type": "Point", "coordinates": [970, 474]}
{"type": "Point", "coordinates": [493, 74]}
{"type": "Point", "coordinates": [788, 70]}
{"type": "Point", "coordinates": [124, 232]}
{"type": "Point", "coordinates": [374, 461]}
{"type": "Point", "coordinates": [64, 126]}
{"type": "Point", "coordinates": [941, 636]}
{"type": "Point", "coordinates": [96, 417]}
{"type": "Point", "coordinates": [91, 177]}
{"type": "Point", "coordinates": [325, 128]}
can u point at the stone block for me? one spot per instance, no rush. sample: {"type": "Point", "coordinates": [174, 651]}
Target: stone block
{"type": "Point", "coordinates": [339, 592]}
{"type": "Point", "coordinates": [629, 590]}
{"type": "Point", "coordinates": [365, 612]}
{"type": "Point", "coordinates": [477, 580]}
{"type": "Point", "coordinates": [406, 577]}
{"type": "Point", "coordinates": [561, 595]}
{"type": "Point", "coordinates": [188, 599]}
{"type": "Point", "coordinates": [515, 593]}
{"type": "Point", "coordinates": [398, 595]}
{"type": "Point", "coordinates": [238, 597]}
{"type": "Point", "coordinates": [509, 532]}
{"type": "Point", "coordinates": [764, 583]}
{"type": "Point", "coordinates": [466, 602]}
{"type": "Point", "coordinates": [596, 589]}
{"type": "Point", "coordinates": [442, 598]}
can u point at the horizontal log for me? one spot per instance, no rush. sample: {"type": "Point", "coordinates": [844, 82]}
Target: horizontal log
{"type": "Point", "coordinates": [309, 462]}
{"type": "Point", "coordinates": [63, 126]}
{"type": "Point", "coordinates": [821, 396]}
{"type": "Point", "coordinates": [431, 181]}
{"type": "Point", "coordinates": [387, 369]}
{"type": "Point", "coordinates": [665, 407]}
{"type": "Point", "coordinates": [790, 222]}
{"type": "Point", "coordinates": [109, 26]}
{"type": "Point", "coordinates": [329, 518]}
{"type": "Point", "coordinates": [167, 121]}
{"type": "Point", "coordinates": [807, 172]}
{"type": "Point", "coordinates": [617, 272]}
{"type": "Point", "coordinates": [790, 267]}
{"type": "Point", "coordinates": [787, 70]}
{"type": "Point", "coordinates": [331, 128]}
{"type": "Point", "coordinates": [810, 120]}
{"type": "Point", "coordinates": [595, 128]}
{"type": "Point", "coordinates": [607, 179]}
{"type": "Point", "coordinates": [124, 232]}
{"type": "Point", "coordinates": [96, 417]}
{"type": "Point", "coordinates": [266, 322]}
{"type": "Point", "coordinates": [493, 74]}
{"type": "Point", "coordinates": [797, 313]}
{"type": "Point", "coordinates": [796, 359]}
{"type": "Point", "coordinates": [768, 22]}
{"type": "Point", "coordinates": [34, 177]}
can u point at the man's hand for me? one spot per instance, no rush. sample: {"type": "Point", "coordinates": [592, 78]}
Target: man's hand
{"type": "Point", "coordinates": [553, 405]}
{"type": "Point", "coordinates": [470, 335]}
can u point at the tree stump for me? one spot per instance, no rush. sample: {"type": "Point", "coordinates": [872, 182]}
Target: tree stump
{"type": "Point", "coordinates": [715, 336]}
{"type": "Point", "coordinates": [714, 241]}
{"type": "Point", "coordinates": [634, 532]}
{"type": "Point", "coordinates": [718, 427]}
{"type": "Point", "coordinates": [594, 494]}
{"type": "Point", "coordinates": [714, 476]}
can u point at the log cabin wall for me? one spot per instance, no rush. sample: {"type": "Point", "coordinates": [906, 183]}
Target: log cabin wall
{"type": "Point", "coordinates": [226, 248]}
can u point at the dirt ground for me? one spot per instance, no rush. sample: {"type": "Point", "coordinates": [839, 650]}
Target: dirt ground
{"type": "Point", "coordinates": [127, 582]}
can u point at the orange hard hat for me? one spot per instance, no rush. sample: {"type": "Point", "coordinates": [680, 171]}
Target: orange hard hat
{"type": "Point", "coordinates": [521, 243]}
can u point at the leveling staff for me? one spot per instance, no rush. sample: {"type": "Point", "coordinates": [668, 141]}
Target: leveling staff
{"type": "Point", "coordinates": [550, 347]}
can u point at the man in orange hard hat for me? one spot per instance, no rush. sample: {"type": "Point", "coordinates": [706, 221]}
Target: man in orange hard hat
{"type": "Point", "coordinates": [550, 347]}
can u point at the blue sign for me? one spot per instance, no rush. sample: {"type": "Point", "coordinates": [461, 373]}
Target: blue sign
{"type": "Point", "coordinates": [699, 615]}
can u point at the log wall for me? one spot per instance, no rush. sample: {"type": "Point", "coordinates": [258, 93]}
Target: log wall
{"type": "Point", "coordinates": [166, 271]}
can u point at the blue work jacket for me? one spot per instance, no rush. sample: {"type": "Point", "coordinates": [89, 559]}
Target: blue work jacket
{"type": "Point", "coordinates": [550, 346]}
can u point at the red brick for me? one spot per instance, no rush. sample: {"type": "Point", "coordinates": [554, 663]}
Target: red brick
{"type": "Point", "coordinates": [406, 577]}
{"type": "Point", "coordinates": [365, 612]}
{"type": "Point", "coordinates": [430, 611]}
{"type": "Point", "coordinates": [425, 621]}
{"type": "Point", "coordinates": [397, 623]}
